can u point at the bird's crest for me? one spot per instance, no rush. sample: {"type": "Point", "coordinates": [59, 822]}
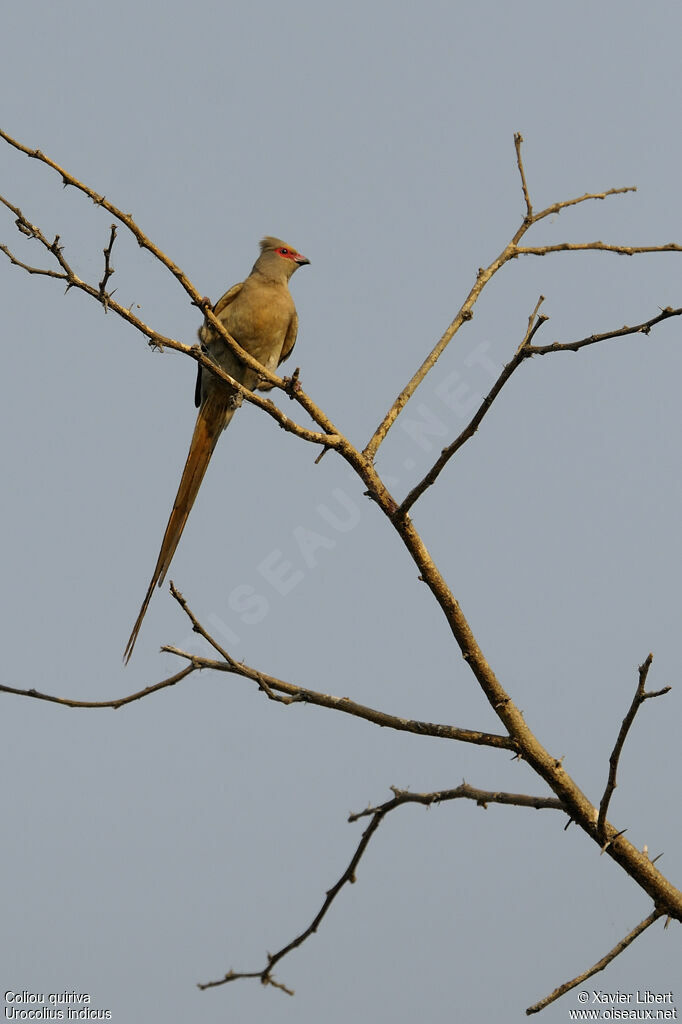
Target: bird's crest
{"type": "Point", "coordinates": [271, 243]}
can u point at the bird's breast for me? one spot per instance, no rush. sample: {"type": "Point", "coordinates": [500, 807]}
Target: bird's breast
{"type": "Point", "coordinates": [259, 322]}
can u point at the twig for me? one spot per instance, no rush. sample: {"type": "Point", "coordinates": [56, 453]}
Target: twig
{"type": "Point", "coordinates": [235, 666]}
{"type": "Point", "coordinates": [586, 197]}
{"type": "Point", "coordinates": [108, 269]}
{"type": "Point", "coordinates": [482, 797]}
{"type": "Point", "coordinates": [535, 322]}
{"type": "Point", "coordinates": [637, 701]}
{"type": "Point", "coordinates": [196, 625]}
{"type": "Point", "coordinates": [117, 703]}
{"type": "Point", "coordinates": [29, 269]}
{"type": "Point", "coordinates": [622, 250]}
{"type": "Point", "coordinates": [518, 140]}
{"type": "Point", "coordinates": [593, 339]}
{"type": "Point", "coordinates": [599, 966]}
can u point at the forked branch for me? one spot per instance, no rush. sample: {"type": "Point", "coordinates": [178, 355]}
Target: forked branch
{"type": "Point", "coordinates": [292, 693]}
{"type": "Point", "coordinates": [275, 689]}
{"type": "Point", "coordinates": [637, 701]}
{"type": "Point", "coordinates": [463, 792]}
{"type": "Point", "coordinates": [511, 251]}
{"type": "Point", "coordinates": [525, 350]}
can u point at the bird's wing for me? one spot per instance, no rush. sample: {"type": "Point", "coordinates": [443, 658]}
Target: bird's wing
{"type": "Point", "coordinates": [222, 303]}
{"type": "Point", "coordinates": [290, 338]}
{"type": "Point", "coordinates": [227, 298]}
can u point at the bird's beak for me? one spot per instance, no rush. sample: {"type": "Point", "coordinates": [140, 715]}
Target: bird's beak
{"type": "Point", "coordinates": [301, 260]}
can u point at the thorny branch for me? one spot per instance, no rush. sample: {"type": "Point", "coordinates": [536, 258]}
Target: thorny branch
{"type": "Point", "coordinates": [483, 797]}
{"type": "Point", "coordinates": [511, 251]}
{"type": "Point", "coordinates": [637, 701]}
{"type": "Point", "coordinates": [273, 687]}
{"type": "Point", "coordinates": [296, 694]}
{"type": "Point", "coordinates": [525, 351]}
{"type": "Point", "coordinates": [593, 339]}
{"type": "Point", "coordinates": [534, 323]}
{"type": "Point", "coordinates": [463, 792]}
{"type": "Point", "coordinates": [348, 876]}
{"type": "Point", "coordinates": [518, 141]}
{"type": "Point", "coordinates": [69, 702]}
{"type": "Point", "coordinates": [622, 250]}
{"type": "Point", "coordinates": [519, 736]}
{"type": "Point", "coordinates": [108, 269]}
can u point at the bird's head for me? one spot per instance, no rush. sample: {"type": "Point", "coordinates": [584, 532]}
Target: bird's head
{"type": "Point", "coordinates": [278, 259]}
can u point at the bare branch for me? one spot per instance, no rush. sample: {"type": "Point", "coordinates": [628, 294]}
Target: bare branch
{"type": "Point", "coordinates": [548, 767]}
{"type": "Point", "coordinates": [464, 314]}
{"type": "Point", "coordinates": [483, 797]}
{"type": "Point", "coordinates": [622, 250]}
{"type": "Point", "coordinates": [54, 248]}
{"type": "Point", "coordinates": [535, 322]}
{"type": "Point", "coordinates": [234, 665]}
{"type": "Point", "coordinates": [586, 197]}
{"type": "Point", "coordinates": [518, 140]}
{"type": "Point", "coordinates": [293, 694]}
{"type": "Point", "coordinates": [510, 252]}
{"type": "Point", "coordinates": [277, 690]}
{"type": "Point", "coordinates": [593, 339]}
{"type": "Point", "coordinates": [523, 352]}
{"type": "Point", "coordinates": [637, 701]}
{"type": "Point", "coordinates": [29, 269]}
{"type": "Point", "coordinates": [599, 966]}
{"type": "Point", "coordinates": [117, 703]}
{"type": "Point", "coordinates": [197, 627]}
{"type": "Point", "coordinates": [300, 694]}
{"type": "Point", "coordinates": [125, 218]}
{"type": "Point", "coordinates": [347, 877]}
{"type": "Point", "coordinates": [108, 269]}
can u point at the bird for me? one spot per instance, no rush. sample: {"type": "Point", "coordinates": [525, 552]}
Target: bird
{"type": "Point", "coordinates": [259, 313]}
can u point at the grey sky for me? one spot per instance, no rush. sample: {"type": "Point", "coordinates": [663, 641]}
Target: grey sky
{"type": "Point", "coordinates": [158, 846]}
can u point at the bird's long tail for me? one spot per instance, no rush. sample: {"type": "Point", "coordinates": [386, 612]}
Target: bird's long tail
{"type": "Point", "coordinates": [214, 415]}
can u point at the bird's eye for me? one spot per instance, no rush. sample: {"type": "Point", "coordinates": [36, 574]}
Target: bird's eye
{"type": "Point", "coordinates": [284, 252]}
